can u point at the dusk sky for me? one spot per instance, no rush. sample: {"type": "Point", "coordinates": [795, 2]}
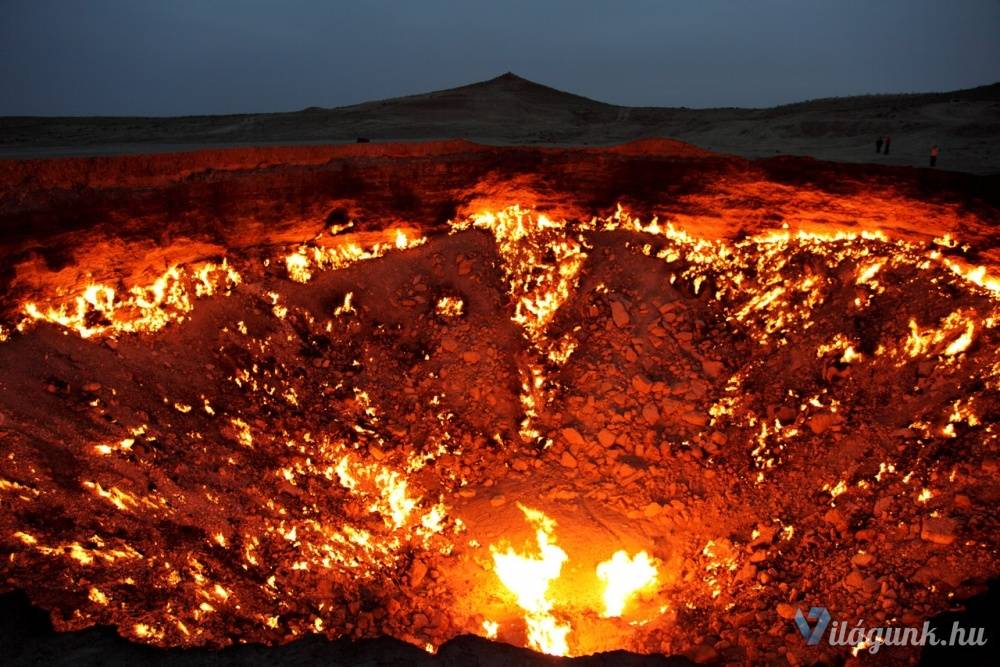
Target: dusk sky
{"type": "Point", "coordinates": [138, 57]}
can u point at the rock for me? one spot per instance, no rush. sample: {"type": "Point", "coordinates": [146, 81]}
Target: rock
{"type": "Point", "coordinates": [497, 501]}
{"type": "Point", "coordinates": [418, 570]}
{"type": "Point", "coordinates": [786, 611]}
{"type": "Point", "coordinates": [863, 559]}
{"type": "Point", "coordinates": [820, 423]}
{"type": "Point", "coordinates": [651, 510]}
{"type": "Point", "coordinates": [719, 438]}
{"type": "Point", "coordinates": [882, 505]}
{"type": "Point", "coordinates": [650, 413]}
{"type": "Point", "coordinates": [92, 387]}
{"type": "Point", "coordinates": [786, 414]}
{"type": "Point", "coordinates": [939, 530]}
{"type": "Point", "coordinates": [758, 556]}
{"type": "Point", "coordinates": [470, 357]}
{"type": "Point", "coordinates": [567, 460]}
{"type": "Point", "coordinates": [703, 654]}
{"type": "Point", "coordinates": [573, 437]}
{"type": "Point", "coordinates": [641, 384]}
{"type": "Point", "coordinates": [854, 580]}
{"type": "Point", "coordinates": [925, 576]}
{"type": "Point", "coordinates": [712, 369]}
{"type": "Point", "coordinates": [449, 344]}
{"type": "Point", "coordinates": [836, 519]}
{"type": "Point", "coordinates": [765, 534]}
{"type": "Point", "coordinates": [606, 437]}
{"type": "Point", "coordinates": [695, 418]}
{"type": "Point", "coordinates": [619, 314]}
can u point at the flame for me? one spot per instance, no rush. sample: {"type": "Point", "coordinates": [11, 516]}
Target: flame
{"type": "Point", "coordinates": [768, 287]}
{"type": "Point", "coordinates": [346, 307]}
{"type": "Point", "coordinates": [301, 263]}
{"type": "Point", "coordinates": [923, 341]}
{"type": "Point", "coordinates": [99, 310]}
{"type": "Point", "coordinates": [623, 576]}
{"type": "Point", "coordinates": [541, 261]}
{"type": "Point", "coordinates": [490, 629]}
{"type": "Point", "coordinates": [528, 578]}
{"type": "Point", "coordinates": [450, 306]}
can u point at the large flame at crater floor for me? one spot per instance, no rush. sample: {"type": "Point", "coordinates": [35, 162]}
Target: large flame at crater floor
{"type": "Point", "coordinates": [529, 576]}
{"type": "Point", "coordinates": [624, 576]}
{"type": "Point", "coordinates": [332, 450]}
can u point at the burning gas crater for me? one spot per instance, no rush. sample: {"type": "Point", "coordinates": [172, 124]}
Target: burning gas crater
{"type": "Point", "coordinates": [569, 435]}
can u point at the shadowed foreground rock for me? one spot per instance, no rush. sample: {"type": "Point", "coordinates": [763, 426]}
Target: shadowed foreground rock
{"type": "Point", "coordinates": [27, 638]}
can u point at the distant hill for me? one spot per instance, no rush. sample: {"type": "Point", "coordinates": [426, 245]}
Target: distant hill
{"type": "Point", "coordinates": [512, 110]}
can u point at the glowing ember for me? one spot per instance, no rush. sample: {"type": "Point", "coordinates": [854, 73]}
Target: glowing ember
{"type": "Point", "coordinates": [449, 306]}
{"type": "Point", "coordinates": [490, 629]}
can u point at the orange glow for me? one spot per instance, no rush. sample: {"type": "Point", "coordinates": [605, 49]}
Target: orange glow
{"type": "Point", "coordinates": [528, 577]}
{"type": "Point", "coordinates": [623, 576]}
{"type": "Point", "coordinates": [100, 310]}
{"type": "Point", "coordinates": [301, 264]}
{"type": "Point", "coordinates": [321, 475]}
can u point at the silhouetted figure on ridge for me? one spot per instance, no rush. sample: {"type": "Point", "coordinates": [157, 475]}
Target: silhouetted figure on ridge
{"type": "Point", "coordinates": [888, 140]}
{"type": "Point", "coordinates": [878, 145]}
{"type": "Point", "coordinates": [934, 154]}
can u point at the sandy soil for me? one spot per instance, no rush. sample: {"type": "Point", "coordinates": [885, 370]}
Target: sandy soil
{"type": "Point", "coordinates": [510, 110]}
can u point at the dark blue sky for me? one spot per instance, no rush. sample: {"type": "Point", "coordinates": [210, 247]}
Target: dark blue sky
{"type": "Point", "coordinates": [220, 56]}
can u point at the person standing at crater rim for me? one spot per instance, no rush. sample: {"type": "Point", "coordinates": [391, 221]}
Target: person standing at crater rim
{"type": "Point", "coordinates": [878, 145]}
{"type": "Point", "coordinates": [934, 154]}
{"type": "Point", "coordinates": [888, 140]}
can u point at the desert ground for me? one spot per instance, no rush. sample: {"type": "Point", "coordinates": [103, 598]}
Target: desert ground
{"type": "Point", "coordinates": [510, 110]}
